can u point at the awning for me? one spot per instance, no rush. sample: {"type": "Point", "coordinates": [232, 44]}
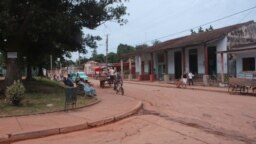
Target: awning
{"type": "Point", "coordinates": [97, 68]}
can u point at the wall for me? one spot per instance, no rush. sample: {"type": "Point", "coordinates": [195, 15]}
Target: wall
{"type": "Point", "coordinates": [221, 45]}
{"type": "Point", "coordinates": [239, 60]}
{"type": "Point", "coordinates": [138, 64]}
{"type": "Point", "coordinates": [245, 34]}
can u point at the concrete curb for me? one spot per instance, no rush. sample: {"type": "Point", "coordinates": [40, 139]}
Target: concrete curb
{"type": "Point", "coordinates": [6, 139]}
{"type": "Point", "coordinates": [173, 86]}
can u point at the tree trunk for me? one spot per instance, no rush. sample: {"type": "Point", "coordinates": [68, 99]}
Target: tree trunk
{"type": "Point", "coordinates": [12, 72]}
{"type": "Point", "coordinates": [29, 72]}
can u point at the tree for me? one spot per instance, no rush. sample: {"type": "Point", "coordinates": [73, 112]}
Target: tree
{"type": "Point", "coordinates": [192, 32]}
{"type": "Point", "coordinates": [113, 57]}
{"type": "Point", "coordinates": [99, 58]}
{"type": "Point", "coordinates": [94, 54]}
{"type": "Point", "coordinates": [124, 49]}
{"type": "Point", "coordinates": [37, 29]}
{"type": "Point", "coordinates": [200, 30]}
{"type": "Point", "coordinates": [209, 29]}
{"type": "Point", "coordinates": [155, 42]}
{"type": "Point", "coordinates": [142, 46]}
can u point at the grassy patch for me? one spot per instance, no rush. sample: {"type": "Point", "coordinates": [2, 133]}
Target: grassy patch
{"type": "Point", "coordinates": [42, 95]}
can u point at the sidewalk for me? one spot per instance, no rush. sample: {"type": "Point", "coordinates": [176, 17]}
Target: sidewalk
{"type": "Point", "coordinates": [172, 85]}
{"type": "Point", "coordinates": [111, 108]}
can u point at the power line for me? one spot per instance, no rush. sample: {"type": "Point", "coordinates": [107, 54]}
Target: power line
{"type": "Point", "coordinates": [204, 24]}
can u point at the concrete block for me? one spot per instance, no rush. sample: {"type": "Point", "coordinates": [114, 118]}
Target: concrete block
{"type": "Point", "coordinates": [74, 128]}
{"type": "Point", "coordinates": [33, 134]}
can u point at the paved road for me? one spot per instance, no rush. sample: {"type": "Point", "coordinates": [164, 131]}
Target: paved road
{"type": "Point", "coordinates": [174, 115]}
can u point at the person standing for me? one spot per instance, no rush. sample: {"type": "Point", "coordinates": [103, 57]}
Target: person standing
{"type": "Point", "coordinates": [184, 79]}
{"type": "Point", "coordinates": [190, 78]}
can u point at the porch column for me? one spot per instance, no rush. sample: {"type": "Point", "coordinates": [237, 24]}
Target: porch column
{"type": "Point", "coordinates": [130, 69]}
{"type": "Point", "coordinates": [222, 68]}
{"type": "Point", "coordinates": [122, 68]}
{"type": "Point", "coordinates": [166, 75]}
{"type": "Point", "coordinates": [152, 74]}
{"type": "Point", "coordinates": [205, 76]}
{"type": "Point", "coordinates": [139, 66]}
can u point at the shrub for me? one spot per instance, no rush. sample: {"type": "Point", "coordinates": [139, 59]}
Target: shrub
{"type": "Point", "coordinates": [15, 93]}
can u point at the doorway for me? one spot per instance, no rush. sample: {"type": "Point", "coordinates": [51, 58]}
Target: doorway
{"type": "Point", "coordinates": [193, 63]}
{"type": "Point", "coordinates": [212, 61]}
{"type": "Point", "coordinates": [177, 65]}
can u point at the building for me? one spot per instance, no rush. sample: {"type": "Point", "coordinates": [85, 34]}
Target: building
{"type": "Point", "coordinates": [207, 55]}
{"type": "Point", "coordinates": [89, 67]}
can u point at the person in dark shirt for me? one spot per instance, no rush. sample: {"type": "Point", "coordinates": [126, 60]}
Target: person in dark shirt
{"type": "Point", "coordinates": [68, 82]}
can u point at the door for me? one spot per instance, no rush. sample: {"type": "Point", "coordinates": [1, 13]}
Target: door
{"type": "Point", "coordinates": [212, 61]}
{"type": "Point", "coordinates": [160, 72]}
{"type": "Point", "coordinates": [193, 63]}
{"type": "Point", "coordinates": [142, 68]}
{"type": "Point", "coordinates": [177, 65]}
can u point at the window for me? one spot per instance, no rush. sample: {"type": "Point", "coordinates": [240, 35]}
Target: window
{"type": "Point", "coordinates": [249, 64]}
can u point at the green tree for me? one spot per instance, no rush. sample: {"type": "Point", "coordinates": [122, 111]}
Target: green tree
{"type": "Point", "coordinates": [113, 57]}
{"type": "Point", "coordinates": [209, 29]}
{"type": "Point", "coordinates": [200, 29]}
{"type": "Point", "coordinates": [124, 49]}
{"type": "Point", "coordinates": [155, 42]}
{"type": "Point", "coordinates": [99, 58]}
{"type": "Point", "coordinates": [192, 32]}
{"type": "Point", "coordinates": [37, 29]}
{"type": "Point", "coordinates": [142, 46]}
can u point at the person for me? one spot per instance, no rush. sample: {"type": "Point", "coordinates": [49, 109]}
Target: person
{"type": "Point", "coordinates": [190, 78]}
{"type": "Point", "coordinates": [89, 90]}
{"type": "Point", "coordinates": [184, 79]}
{"type": "Point", "coordinates": [111, 73]}
{"type": "Point", "coordinates": [68, 82]}
{"type": "Point", "coordinates": [118, 79]}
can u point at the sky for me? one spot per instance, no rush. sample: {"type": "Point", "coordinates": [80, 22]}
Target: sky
{"type": "Point", "coordinates": [162, 20]}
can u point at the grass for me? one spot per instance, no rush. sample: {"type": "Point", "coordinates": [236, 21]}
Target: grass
{"type": "Point", "coordinates": [42, 95]}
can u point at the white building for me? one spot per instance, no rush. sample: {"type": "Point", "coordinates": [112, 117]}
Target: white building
{"type": "Point", "coordinates": [204, 54]}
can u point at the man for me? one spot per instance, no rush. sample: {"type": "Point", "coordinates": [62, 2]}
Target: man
{"type": "Point", "coordinates": [68, 82]}
{"type": "Point", "coordinates": [190, 78]}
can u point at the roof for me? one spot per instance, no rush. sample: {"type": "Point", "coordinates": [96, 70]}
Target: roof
{"type": "Point", "coordinates": [190, 40]}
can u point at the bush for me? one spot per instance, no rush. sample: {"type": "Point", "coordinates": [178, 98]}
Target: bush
{"type": "Point", "coordinates": [15, 93]}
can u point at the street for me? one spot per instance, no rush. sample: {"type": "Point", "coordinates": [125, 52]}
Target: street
{"type": "Point", "coordinates": [172, 115]}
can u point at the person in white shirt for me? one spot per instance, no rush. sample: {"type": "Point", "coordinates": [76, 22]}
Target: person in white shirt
{"type": "Point", "coordinates": [190, 78]}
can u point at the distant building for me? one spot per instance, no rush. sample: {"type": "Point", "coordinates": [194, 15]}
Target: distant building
{"type": "Point", "coordinates": [89, 67]}
{"type": "Point", "coordinates": [205, 54]}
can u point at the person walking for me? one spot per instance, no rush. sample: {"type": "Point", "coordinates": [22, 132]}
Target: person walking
{"type": "Point", "coordinates": [190, 78]}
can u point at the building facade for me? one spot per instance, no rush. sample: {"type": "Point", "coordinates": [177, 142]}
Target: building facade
{"type": "Point", "coordinates": [204, 54]}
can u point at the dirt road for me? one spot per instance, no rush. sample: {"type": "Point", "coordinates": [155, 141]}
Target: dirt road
{"type": "Point", "coordinates": [172, 115]}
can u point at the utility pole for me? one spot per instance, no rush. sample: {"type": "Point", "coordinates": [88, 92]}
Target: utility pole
{"type": "Point", "coordinates": [107, 51]}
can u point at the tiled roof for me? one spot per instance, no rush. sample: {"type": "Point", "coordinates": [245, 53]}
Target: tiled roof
{"type": "Point", "coordinates": [190, 40]}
